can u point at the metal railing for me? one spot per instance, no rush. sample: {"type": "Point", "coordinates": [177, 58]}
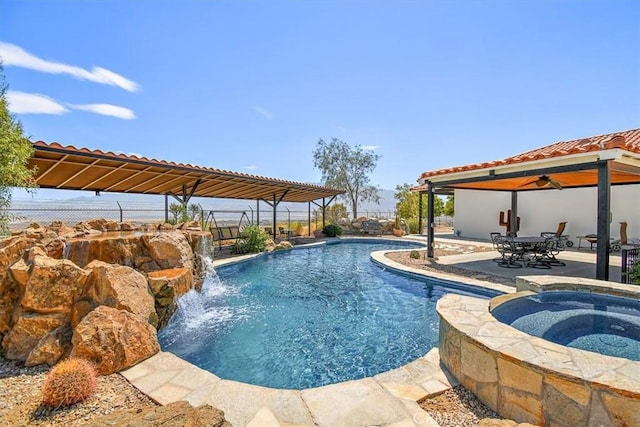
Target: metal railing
{"type": "Point", "coordinates": [629, 258]}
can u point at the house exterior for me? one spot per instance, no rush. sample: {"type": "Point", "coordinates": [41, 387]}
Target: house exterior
{"type": "Point", "coordinates": [477, 213]}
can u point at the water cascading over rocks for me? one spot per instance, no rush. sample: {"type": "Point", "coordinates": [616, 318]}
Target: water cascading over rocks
{"type": "Point", "coordinates": [98, 290]}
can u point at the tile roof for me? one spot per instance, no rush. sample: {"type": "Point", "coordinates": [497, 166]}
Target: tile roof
{"type": "Point", "coordinates": [628, 140]}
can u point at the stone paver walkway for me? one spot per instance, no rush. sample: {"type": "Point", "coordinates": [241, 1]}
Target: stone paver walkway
{"type": "Point", "coordinates": [387, 399]}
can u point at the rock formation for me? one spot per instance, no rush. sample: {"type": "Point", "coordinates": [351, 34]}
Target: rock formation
{"type": "Point", "coordinates": [97, 290]}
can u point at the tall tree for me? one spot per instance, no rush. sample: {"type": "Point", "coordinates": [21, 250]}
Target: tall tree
{"type": "Point", "coordinates": [15, 151]}
{"type": "Point", "coordinates": [347, 169]}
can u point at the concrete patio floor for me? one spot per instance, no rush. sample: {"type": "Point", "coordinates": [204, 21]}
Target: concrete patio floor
{"type": "Point", "coordinates": [580, 262]}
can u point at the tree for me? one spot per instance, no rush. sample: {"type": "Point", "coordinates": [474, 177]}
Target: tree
{"type": "Point", "coordinates": [448, 206]}
{"type": "Point", "coordinates": [408, 202]}
{"type": "Point", "coordinates": [336, 212]}
{"type": "Point", "coordinates": [15, 152]}
{"type": "Point", "coordinates": [347, 169]}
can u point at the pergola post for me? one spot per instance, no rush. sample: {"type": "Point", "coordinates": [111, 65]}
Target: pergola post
{"type": "Point", "coordinates": [430, 222]}
{"type": "Point", "coordinates": [166, 208]}
{"type": "Point", "coordinates": [420, 193]}
{"type": "Point", "coordinates": [513, 232]}
{"type": "Point", "coordinates": [258, 212]}
{"type": "Point", "coordinates": [309, 219]}
{"type": "Point", "coordinates": [603, 221]}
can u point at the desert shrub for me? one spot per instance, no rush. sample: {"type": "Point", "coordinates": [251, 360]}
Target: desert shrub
{"type": "Point", "coordinates": [332, 230]}
{"type": "Point", "coordinates": [414, 255]}
{"type": "Point", "coordinates": [252, 239]}
{"type": "Point", "coordinates": [70, 381]}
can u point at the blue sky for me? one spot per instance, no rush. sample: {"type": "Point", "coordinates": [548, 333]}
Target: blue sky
{"type": "Point", "coordinates": [251, 86]}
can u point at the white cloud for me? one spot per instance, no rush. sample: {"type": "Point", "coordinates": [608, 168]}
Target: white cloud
{"type": "Point", "coordinates": [13, 55]}
{"type": "Point", "coordinates": [264, 113]}
{"type": "Point", "coordinates": [33, 103]}
{"type": "Point", "coordinates": [370, 147]}
{"type": "Point", "coordinates": [251, 167]}
{"type": "Point", "coordinates": [106, 110]}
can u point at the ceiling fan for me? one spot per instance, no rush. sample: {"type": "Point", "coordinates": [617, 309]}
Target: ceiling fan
{"type": "Point", "coordinates": [543, 181]}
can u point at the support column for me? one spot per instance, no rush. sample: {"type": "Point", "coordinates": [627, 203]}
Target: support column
{"type": "Point", "coordinates": [275, 207]}
{"type": "Point", "coordinates": [166, 208]}
{"type": "Point", "coordinates": [514, 214]}
{"type": "Point", "coordinates": [309, 219]}
{"type": "Point", "coordinates": [603, 221]}
{"type": "Point", "coordinates": [420, 212]}
{"type": "Point", "coordinates": [430, 220]}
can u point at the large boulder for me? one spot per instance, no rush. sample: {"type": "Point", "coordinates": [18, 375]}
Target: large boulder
{"type": "Point", "coordinates": [167, 286]}
{"type": "Point", "coordinates": [114, 339]}
{"type": "Point", "coordinates": [120, 287]}
{"type": "Point", "coordinates": [27, 332]}
{"type": "Point", "coordinates": [169, 250]}
{"type": "Point", "coordinates": [49, 285]}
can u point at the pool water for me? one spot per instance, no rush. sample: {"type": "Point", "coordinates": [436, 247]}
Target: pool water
{"type": "Point", "coordinates": [600, 323]}
{"type": "Point", "coordinates": [307, 317]}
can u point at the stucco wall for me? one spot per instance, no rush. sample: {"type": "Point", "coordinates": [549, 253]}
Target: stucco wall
{"type": "Point", "coordinates": [477, 212]}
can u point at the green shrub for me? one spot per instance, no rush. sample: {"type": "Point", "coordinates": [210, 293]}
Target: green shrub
{"type": "Point", "coordinates": [412, 225]}
{"type": "Point", "coordinates": [634, 273]}
{"type": "Point", "coordinates": [69, 382]}
{"type": "Point", "coordinates": [332, 230]}
{"type": "Point", "coordinates": [414, 255]}
{"type": "Point", "coordinates": [253, 239]}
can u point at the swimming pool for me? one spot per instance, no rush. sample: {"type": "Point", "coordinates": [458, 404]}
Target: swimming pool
{"type": "Point", "coordinates": [605, 324]}
{"type": "Point", "coordinates": [308, 317]}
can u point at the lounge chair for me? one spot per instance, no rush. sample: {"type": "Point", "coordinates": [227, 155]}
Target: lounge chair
{"type": "Point", "coordinates": [617, 245]}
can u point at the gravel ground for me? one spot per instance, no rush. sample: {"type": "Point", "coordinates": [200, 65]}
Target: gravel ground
{"type": "Point", "coordinates": [20, 398]}
{"type": "Point", "coordinates": [457, 407]}
{"type": "Point", "coordinates": [20, 386]}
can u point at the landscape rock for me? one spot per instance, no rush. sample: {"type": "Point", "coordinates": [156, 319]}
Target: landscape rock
{"type": "Point", "coordinates": [51, 347]}
{"type": "Point", "coordinates": [26, 333]}
{"type": "Point", "coordinates": [176, 414]}
{"type": "Point", "coordinates": [119, 249]}
{"type": "Point", "coordinates": [167, 286]}
{"type": "Point", "coordinates": [170, 250]}
{"type": "Point", "coordinates": [120, 287]}
{"type": "Point", "coordinates": [53, 284]}
{"type": "Point", "coordinates": [114, 339]}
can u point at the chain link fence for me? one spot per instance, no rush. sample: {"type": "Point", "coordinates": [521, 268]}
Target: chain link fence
{"type": "Point", "coordinates": [22, 213]}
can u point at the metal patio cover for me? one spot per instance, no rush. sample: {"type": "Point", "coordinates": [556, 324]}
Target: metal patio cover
{"type": "Point", "coordinates": [71, 168]}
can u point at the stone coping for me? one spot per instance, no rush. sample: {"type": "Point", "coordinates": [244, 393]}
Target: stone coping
{"type": "Point", "coordinates": [389, 398]}
{"type": "Point", "coordinates": [579, 284]}
{"type": "Point", "coordinates": [530, 379]}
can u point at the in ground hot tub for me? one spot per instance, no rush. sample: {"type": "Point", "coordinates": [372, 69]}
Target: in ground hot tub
{"type": "Point", "coordinates": [544, 376]}
{"type": "Point", "coordinates": [595, 322]}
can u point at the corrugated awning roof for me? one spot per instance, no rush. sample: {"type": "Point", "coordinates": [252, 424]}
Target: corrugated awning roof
{"type": "Point", "coordinates": [71, 168]}
{"type": "Point", "coordinates": [569, 163]}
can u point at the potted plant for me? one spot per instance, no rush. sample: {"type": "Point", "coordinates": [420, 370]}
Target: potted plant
{"type": "Point", "coordinates": [397, 227]}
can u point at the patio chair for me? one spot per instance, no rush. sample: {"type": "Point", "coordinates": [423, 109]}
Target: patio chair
{"type": "Point", "coordinates": [495, 237]}
{"type": "Point", "coordinates": [511, 253]}
{"type": "Point", "coordinates": [546, 253]}
{"type": "Point", "coordinates": [564, 241]}
{"type": "Point", "coordinates": [616, 245]}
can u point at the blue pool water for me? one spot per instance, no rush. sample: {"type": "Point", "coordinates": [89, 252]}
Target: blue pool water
{"type": "Point", "coordinates": [600, 323]}
{"type": "Point", "coordinates": [307, 317]}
